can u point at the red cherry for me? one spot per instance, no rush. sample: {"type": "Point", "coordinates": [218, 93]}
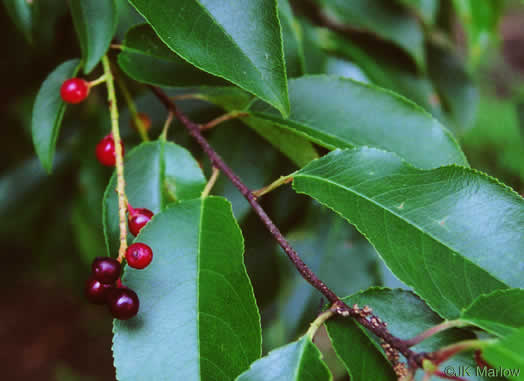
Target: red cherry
{"type": "Point", "coordinates": [139, 255]}
{"type": "Point", "coordinates": [106, 270]}
{"type": "Point", "coordinates": [96, 292]}
{"type": "Point", "coordinates": [123, 303]}
{"type": "Point", "coordinates": [74, 90]}
{"type": "Point", "coordinates": [138, 218]}
{"type": "Point", "coordinates": [105, 151]}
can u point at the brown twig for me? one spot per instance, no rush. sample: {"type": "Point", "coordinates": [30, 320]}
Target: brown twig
{"type": "Point", "coordinates": [363, 315]}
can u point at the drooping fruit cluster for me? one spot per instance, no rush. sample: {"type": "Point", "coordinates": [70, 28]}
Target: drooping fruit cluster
{"type": "Point", "coordinates": [104, 287]}
{"type": "Point", "coordinates": [105, 151]}
{"type": "Point", "coordinates": [74, 90]}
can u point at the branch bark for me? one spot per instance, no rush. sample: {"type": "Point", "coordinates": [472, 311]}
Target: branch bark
{"type": "Point", "coordinates": [362, 315]}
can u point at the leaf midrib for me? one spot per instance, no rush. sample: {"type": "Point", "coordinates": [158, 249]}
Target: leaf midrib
{"type": "Point", "coordinates": [230, 38]}
{"type": "Point", "coordinates": [321, 179]}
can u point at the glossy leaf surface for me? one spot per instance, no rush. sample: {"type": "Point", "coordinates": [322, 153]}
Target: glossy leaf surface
{"type": "Point", "coordinates": [156, 174]}
{"type": "Point", "coordinates": [146, 59]}
{"type": "Point", "coordinates": [450, 233]}
{"type": "Point", "coordinates": [95, 23]}
{"type": "Point", "coordinates": [240, 41]}
{"type": "Point", "coordinates": [500, 313]}
{"type": "Point", "coordinates": [339, 113]}
{"type": "Point", "coordinates": [48, 111]}
{"type": "Point", "coordinates": [298, 361]}
{"type": "Point", "coordinates": [198, 319]}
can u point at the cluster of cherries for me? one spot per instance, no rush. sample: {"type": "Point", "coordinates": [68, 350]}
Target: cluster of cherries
{"type": "Point", "coordinates": [104, 286]}
{"type": "Point", "coordinates": [76, 90]}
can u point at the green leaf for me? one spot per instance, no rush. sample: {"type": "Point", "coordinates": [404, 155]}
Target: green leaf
{"type": "Point", "coordinates": [48, 111]}
{"type": "Point", "coordinates": [406, 316]}
{"type": "Point", "coordinates": [343, 68]}
{"type": "Point", "coordinates": [293, 44]}
{"type": "Point", "coordinates": [500, 313]}
{"type": "Point", "coordinates": [480, 21]}
{"type": "Point", "coordinates": [146, 59]}
{"type": "Point", "coordinates": [455, 87]}
{"type": "Point", "coordinates": [21, 13]}
{"type": "Point", "coordinates": [496, 130]}
{"type": "Point", "coordinates": [451, 233]}
{"type": "Point", "coordinates": [300, 150]}
{"type": "Point", "coordinates": [506, 354]}
{"type": "Point", "coordinates": [95, 23]}
{"type": "Point", "coordinates": [156, 174]}
{"type": "Point", "coordinates": [380, 69]}
{"type": "Point", "coordinates": [198, 319]}
{"type": "Point", "coordinates": [296, 147]}
{"type": "Point", "coordinates": [425, 9]}
{"type": "Point", "coordinates": [381, 18]}
{"type": "Point", "coordinates": [341, 113]}
{"type": "Point", "coordinates": [249, 158]}
{"type": "Point", "coordinates": [238, 41]}
{"type": "Point", "coordinates": [315, 59]}
{"type": "Point", "coordinates": [298, 361]}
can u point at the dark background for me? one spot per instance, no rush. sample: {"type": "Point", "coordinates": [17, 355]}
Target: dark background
{"type": "Point", "coordinates": [47, 331]}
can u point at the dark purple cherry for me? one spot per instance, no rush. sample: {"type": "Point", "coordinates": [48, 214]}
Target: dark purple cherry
{"type": "Point", "coordinates": [106, 270]}
{"type": "Point", "coordinates": [96, 292]}
{"type": "Point", "coordinates": [123, 303]}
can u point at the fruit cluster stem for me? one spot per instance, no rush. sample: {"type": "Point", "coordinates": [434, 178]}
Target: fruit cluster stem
{"type": "Point", "coordinates": [120, 186]}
